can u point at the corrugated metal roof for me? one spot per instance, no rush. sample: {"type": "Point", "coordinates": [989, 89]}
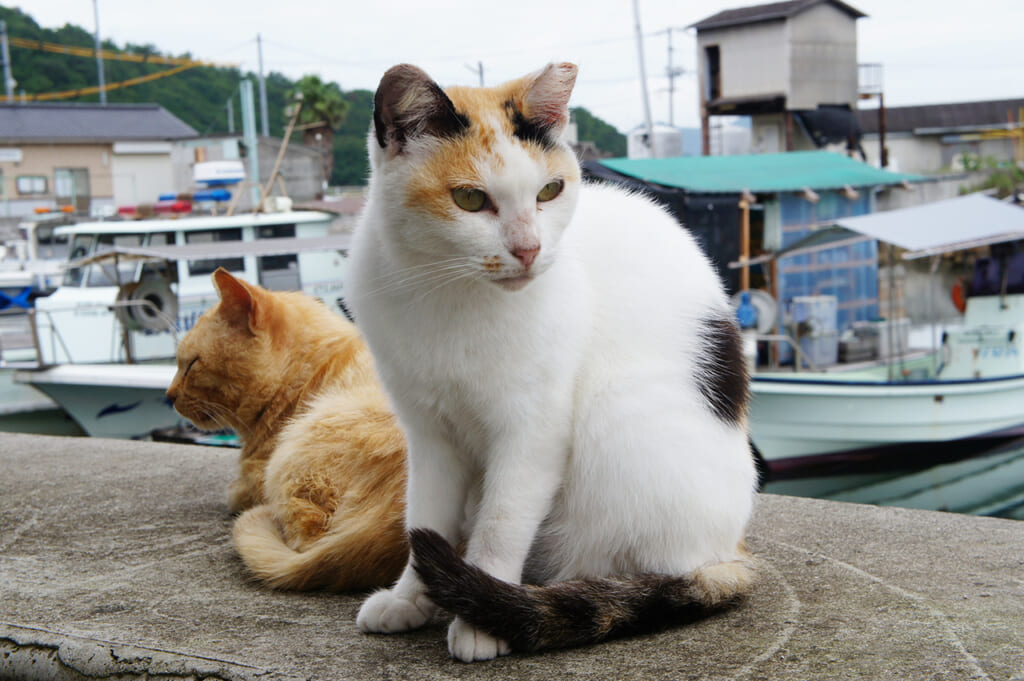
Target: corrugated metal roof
{"type": "Point", "coordinates": [769, 173]}
{"type": "Point", "coordinates": [771, 12]}
{"type": "Point", "coordinates": [90, 123]}
{"type": "Point", "coordinates": [940, 117]}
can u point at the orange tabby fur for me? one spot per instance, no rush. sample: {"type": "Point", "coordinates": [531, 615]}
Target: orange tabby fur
{"type": "Point", "coordinates": [322, 467]}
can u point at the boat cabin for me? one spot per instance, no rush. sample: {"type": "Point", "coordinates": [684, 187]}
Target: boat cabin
{"type": "Point", "coordinates": [131, 287]}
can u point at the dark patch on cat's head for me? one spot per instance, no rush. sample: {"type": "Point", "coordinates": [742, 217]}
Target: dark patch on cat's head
{"type": "Point", "coordinates": [530, 130]}
{"type": "Point", "coordinates": [722, 376]}
{"type": "Point", "coordinates": [408, 103]}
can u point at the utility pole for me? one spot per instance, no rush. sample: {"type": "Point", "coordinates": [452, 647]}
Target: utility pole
{"type": "Point", "coordinates": [643, 78]}
{"type": "Point", "coordinates": [673, 73]}
{"type": "Point", "coordinates": [479, 70]}
{"type": "Point", "coordinates": [5, 54]}
{"type": "Point", "coordinates": [251, 143]}
{"type": "Point", "coordinates": [231, 114]}
{"type": "Point", "coordinates": [264, 118]}
{"type": "Point", "coordinates": [99, 55]}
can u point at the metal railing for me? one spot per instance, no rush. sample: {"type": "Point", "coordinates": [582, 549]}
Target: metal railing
{"type": "Point", "coordinates": [57, 338]}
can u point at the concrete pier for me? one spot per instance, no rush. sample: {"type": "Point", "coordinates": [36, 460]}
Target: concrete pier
{"type": "Point", "coordinates": [115, 562]}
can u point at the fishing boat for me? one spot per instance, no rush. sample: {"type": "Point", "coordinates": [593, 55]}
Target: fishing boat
{"type": "Point", "coordinates": [906, 409]}
{"type": "Point", "coordinates": [105, 340]}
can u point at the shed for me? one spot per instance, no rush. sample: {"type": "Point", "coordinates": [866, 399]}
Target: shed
{"type": "Point", "coordinates": [792, 66]}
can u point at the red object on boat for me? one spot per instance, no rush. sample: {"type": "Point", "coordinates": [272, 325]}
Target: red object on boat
{"type": "Point", "coordinates": [173, 206]}
{"type": "Point", "coordinates": [126, 210]}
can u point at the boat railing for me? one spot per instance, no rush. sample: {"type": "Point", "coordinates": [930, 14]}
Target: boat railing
{"type": "Point", "coordinates": [801, 356]}
{"type": "Point", "coordinates": [171, 325]}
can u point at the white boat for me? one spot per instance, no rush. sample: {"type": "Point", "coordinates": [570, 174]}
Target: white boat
{"type": "Point", "coordinates": [903, 410]}
{"type": "Point", "coordinates": [32, 264]}
{"type": "Point", "coordinates": [106, 338]}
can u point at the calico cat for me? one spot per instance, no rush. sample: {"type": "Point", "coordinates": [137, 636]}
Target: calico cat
{"type": "Point", "coordinates": [566, 367]}
{"type": "Point", "coordinates": [322, 468]}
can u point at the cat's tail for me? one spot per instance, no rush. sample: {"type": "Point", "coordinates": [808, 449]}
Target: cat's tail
{"type": "Point", "coordinates": [576, 612]}
{"type": "Point", "coordinates": [341, 559]}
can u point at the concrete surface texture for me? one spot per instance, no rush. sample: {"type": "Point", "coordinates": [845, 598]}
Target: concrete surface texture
{"type": "Point", "coordinates": [115, 562]}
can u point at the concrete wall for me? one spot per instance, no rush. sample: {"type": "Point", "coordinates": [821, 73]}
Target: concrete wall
{"type": "Point", "coordinates": [823, 58]}
{"type": "Point", "coordinates": [754, 59]}
{"type": "Point", "coordinates": [912, 153]}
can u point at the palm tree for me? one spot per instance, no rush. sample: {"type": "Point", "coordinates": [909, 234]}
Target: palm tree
{"type": "Point", "coordinates": [323, 111]}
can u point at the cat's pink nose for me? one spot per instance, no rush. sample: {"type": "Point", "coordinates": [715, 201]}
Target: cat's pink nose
{"type": "Point", "coordinates": [526, 255]}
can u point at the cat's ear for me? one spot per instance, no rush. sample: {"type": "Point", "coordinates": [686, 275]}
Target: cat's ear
{"type": "Point", "coordinates": [408, 104]}
{"type": "Point", "coordinates": [240, 303]}
{"type": "Point", "coordinates": [546, 102]}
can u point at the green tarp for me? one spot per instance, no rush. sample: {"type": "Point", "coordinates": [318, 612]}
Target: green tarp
{"type": "Point", "coordinates": [758, 173]}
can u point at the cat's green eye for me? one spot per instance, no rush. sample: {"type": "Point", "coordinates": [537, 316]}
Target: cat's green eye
{"type": "Point", "coordinates": [469, 199]}
{"type": "Point", "coordinates": [550, 190]}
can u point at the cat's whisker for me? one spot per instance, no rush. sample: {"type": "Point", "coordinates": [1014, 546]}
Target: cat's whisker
{"type": "Point", "coordinates": [221, 415]}
{"type": "Point", "coordinates": [423, 266]}
{"type": "Point", "coordinates": [451, 280]}
{"type": "Point", "coordinates": [426, 278]}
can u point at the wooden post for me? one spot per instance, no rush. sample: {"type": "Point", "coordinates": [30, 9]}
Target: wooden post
{"type": "Point", "coordinates": [746, 199]}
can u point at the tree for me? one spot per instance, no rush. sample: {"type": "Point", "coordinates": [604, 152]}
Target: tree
{"type": "Point", "coordinates": [590, 128]}
{"type": "Point", "coordinates": [323, 111]}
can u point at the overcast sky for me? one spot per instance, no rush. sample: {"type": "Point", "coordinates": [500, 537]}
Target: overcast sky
{"type": "Point", "coordinates": [933, 51]}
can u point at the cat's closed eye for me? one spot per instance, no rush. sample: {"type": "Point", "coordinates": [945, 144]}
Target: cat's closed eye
{"type": "Point", "coordinates": [190, 365]}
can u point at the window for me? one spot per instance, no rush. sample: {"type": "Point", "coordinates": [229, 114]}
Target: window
{"type": "Point", "coordinates": [71, 185]}
{"type": "Point", "coordinates": [210, 265]}
{"type": "Point", "coordinates": [29, 185]}
{"type": "Point", "coordinates": [106, 274]}
{"type": "Point", "coordinates": [81, 245]}
{"type": "Point", "coordinates": [278, 272]}
{"type": "Point", "coordinates": [160, 269]}
{"type": "Point", "coordinates": [714, 72]}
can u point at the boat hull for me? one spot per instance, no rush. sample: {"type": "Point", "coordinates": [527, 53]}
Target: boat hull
{"type": "Point", "coordinates": [797, 418]}
{"type": "Point", "coordinates": [109, 400]}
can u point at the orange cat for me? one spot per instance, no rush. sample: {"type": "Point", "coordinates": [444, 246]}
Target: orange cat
{"type": "Point", "coordinates": [322, 469]}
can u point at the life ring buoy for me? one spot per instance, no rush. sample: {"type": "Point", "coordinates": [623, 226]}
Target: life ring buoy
{"type": "Point", "coordinates": [150, 306]}
{"type": "Point", "coordinates": [959, 295]}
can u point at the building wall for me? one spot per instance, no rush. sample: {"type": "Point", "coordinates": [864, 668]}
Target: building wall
{"type": "Point", "coordinates": [44, 160]}
{"type": "Point", "coordinates": [823, 58]}
{"type": "Point", "coordinates": [141, 172]}
{"type": "Point", "coordinates": [754, 59]}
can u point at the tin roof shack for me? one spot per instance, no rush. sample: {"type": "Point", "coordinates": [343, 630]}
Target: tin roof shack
{"type": "Point", "coordinates": [782, 198]}
{"type": "Point", "coordinates": [88, 156]}
{"type": "Point", "coordinates": [791, 66]}
{"type": "Point", "coordinates": [929, 138]}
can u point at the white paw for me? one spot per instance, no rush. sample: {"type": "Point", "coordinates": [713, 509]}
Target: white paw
{"type": "Point", "coordinates": [469, 644]}
{"type": "Point", "coordinates": [386, 613]}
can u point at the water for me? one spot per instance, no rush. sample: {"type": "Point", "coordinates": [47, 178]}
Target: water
{"type": "Point", "coordinates": [991, 484]}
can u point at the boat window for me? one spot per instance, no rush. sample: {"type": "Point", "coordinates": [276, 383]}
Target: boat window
{"type": "Point", "coordinates": [160, 269]}
{"type": "Point", "coordinates": [105, 274]}
{"type": "Point", "coordinates": [278, 272]}
{"type": "Point", "coordinates": [50, 245]}
{"type": "Point", "coordinates": [81, 245]}
{"type": "Point", "coordinates": [210, 265]}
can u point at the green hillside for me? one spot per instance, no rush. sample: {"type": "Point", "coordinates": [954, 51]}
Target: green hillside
{"type": "Point", "coordinates": [199, 96]}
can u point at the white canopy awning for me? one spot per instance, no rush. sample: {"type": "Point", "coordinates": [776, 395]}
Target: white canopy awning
{"type": "Point", "coordinates": [943, 226]}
